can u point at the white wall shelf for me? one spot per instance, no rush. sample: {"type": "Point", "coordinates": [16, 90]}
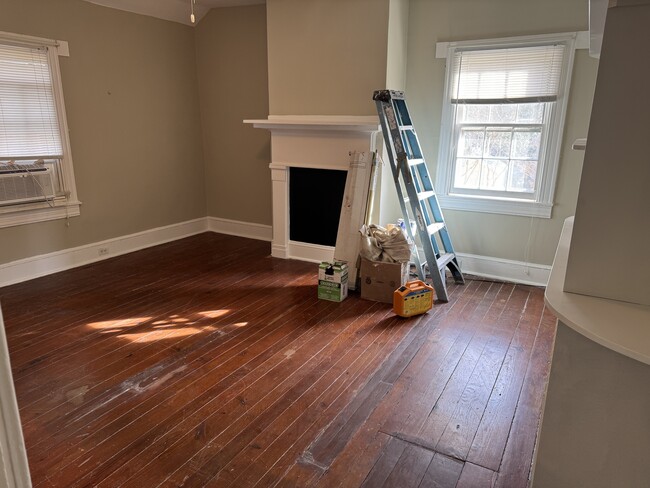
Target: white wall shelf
{"type": "Point", "coordinates": [620, 326]}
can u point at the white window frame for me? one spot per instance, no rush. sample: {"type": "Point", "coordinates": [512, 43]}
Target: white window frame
{"type": "Point", "coordinates": [542, 204]}
{"type": "Point", "coordinates": [59, 207]}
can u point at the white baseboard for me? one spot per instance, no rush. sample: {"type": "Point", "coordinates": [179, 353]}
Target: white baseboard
{"type": "Point", "coordinates": [44, 264]}
{"type": "Point", "coordinates": [260, 232]}
{"type": "Point", "coordinates": [279, 251]}
{"type": "Point", "coordinates": [313, 253]}
{"type": "Point", "coordinates": [504, 269]}
{"type": "Point", "coordinates": [33, 267]}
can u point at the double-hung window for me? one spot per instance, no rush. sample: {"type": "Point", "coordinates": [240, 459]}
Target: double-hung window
{"type": "Point", "coordinates": [503, 117]}
{"type": "Point", "coordinates": [36, 177]}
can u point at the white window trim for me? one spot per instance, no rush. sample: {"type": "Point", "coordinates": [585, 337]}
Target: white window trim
{"type": "Point", "coordinates": [543, 205]}
{"type": "Point", "coordinates": [62, 207]}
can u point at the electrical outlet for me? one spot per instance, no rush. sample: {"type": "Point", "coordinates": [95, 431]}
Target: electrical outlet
{"type": "Point", "coordinates": [102, 251]}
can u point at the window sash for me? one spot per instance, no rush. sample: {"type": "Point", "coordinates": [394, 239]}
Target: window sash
{"type": "Point", "coordinates": [507, 74]}
{"type": "Point", "coordinates": [29, 123]}
{"type": "Point", "coordinates": [453, 156]}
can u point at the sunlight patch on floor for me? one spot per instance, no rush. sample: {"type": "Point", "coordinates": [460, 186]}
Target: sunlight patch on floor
{"type": "Point", "coordinates": [172, 327]}
{"type": "Point", "coordinates": [166, 334]}
{"type": "Point", "coordinates": [119, 324]}
{"type": "Point", "coordinates": [213, 314]}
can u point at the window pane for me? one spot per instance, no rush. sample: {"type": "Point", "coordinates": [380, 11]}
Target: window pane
{"type": "Point", "coordinates": [522, 176]}
{"type": "Point", "coordinates": [467, 174]}
{"type": "Point", "coordinates": [494, 175]}
{"type": "Point", "coordinates": [498, 143]}
{"type": "Point", "coordinates": [525, 144]}
{"type": "Point", "coordinates": [471, 141]}
{"type": "Point", "coordinates": [474, 113]}
{"type": "Point", "coordinates": [505, 113]}
{"type": "Point", "coordinates": [530, 113]}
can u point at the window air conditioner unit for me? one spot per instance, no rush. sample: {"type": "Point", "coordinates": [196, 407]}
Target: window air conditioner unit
{"type": "Point", "coordinates": [26, 186]}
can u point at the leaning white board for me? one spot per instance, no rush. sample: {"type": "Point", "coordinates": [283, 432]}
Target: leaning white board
{"type": "Point", "coordinates": [353, 212]}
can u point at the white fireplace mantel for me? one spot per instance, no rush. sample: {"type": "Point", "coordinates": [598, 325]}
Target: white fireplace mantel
{"type": "Point", "coordinates": [310, 141]}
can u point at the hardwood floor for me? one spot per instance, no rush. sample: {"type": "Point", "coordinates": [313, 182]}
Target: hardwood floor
{"type": "Point", "coordinates": [205, 362]}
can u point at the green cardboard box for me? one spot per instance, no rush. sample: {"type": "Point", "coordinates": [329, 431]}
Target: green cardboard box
{"type": "Point", "coordinates": [333, 281]}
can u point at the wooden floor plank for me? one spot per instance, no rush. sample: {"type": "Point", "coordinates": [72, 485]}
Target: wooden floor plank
{"type": "Point", "coordinates": [492, 433]}
{"type": "Point", "coordinates": [474, 476]}
{"type": "Point", "coordinates": [410, 468]}
{"type": "Point", "coordinates": [384, 466]}
{"type": "Point", "coordinates": [443, 472]}
{"type": "Point", "coordinates": [204, 362]}
{"type": "Point", "coordinates": [516, 463]}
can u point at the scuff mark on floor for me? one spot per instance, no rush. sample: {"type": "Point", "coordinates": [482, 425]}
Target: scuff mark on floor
{"type": "Point", "coordinates": [156, 382]}
{"type": "Point", "coordinates": [76, 396]}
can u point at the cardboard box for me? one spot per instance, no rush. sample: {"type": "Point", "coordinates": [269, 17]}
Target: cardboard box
{"type": "Point", "coordinates": [333, 281]}
{"type": "Point", "coordinates": [379, 280]}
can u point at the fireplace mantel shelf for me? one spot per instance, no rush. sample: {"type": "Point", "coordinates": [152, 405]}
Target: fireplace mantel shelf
{"type": "Point", "coordinates": [359, 123]}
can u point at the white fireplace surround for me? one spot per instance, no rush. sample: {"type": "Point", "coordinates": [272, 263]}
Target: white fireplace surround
{"type": "Point", "coordinates": [310, 141]}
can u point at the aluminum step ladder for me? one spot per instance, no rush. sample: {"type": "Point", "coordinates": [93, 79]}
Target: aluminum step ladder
{"type": "Point", "coordinates": [420, 204]}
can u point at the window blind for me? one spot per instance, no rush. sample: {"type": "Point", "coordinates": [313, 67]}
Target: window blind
{"type": "Point", "coordinates": [517, 74]}
{"type": "Point", "coordinates": [29, 127]}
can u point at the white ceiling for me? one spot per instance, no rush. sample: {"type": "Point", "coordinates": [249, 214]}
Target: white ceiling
{"type": "Point", "coordinates": [174, 10]}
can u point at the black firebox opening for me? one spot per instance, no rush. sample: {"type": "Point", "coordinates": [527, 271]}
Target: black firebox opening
{"type": "Point", "coordinates": [315, 197]}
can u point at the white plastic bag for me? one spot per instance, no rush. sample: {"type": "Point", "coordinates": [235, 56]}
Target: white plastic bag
{"type": "Point", "coordinates": [388, 245]}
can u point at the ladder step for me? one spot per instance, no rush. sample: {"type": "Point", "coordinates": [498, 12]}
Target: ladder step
{"type": "Point", "coordinates": [415, 161]}
{"type": "Point", "coordinates": [435, 227]}
{"type": "Point", "coordinates": [443, 260]}
{"type": "Point", "coordinates": [423, 195]}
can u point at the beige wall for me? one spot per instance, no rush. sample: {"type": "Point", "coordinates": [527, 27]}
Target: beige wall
{"type": "Point", "coordinates": [326, 57]}
{"type": "Point", "coordinates": [130, 87]}
{"type": "Point", "coordinates": [397, 53]}
{"type": "Point", "coordinates": [386, 204]}
{"type": "Point", "coordinates": [499, 236]}
{"type": "Point", "coordinates": [233, 86]}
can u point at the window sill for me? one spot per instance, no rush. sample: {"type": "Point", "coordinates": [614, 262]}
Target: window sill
{"type": "Point", "coordinates": [496, 205]}
{"type": "Point", "coordinates": [37, 212]}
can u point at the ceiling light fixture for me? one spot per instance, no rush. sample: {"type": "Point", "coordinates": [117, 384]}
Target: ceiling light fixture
{"type": "Point", "coordinates": [192, 18]}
